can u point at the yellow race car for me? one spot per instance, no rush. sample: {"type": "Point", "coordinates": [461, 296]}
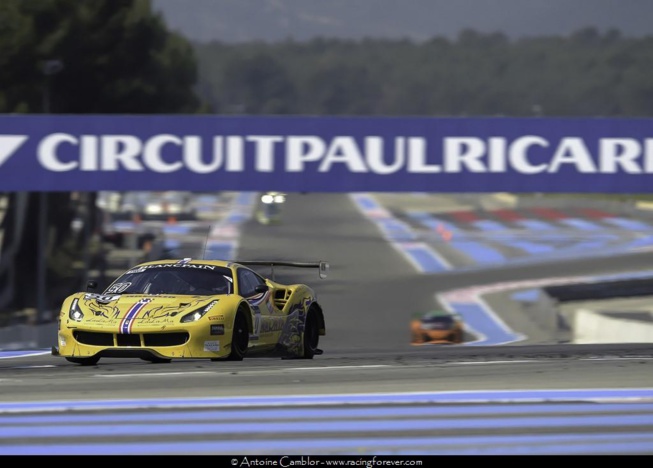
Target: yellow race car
{"type": "Point", "coordinates": [191, 309]}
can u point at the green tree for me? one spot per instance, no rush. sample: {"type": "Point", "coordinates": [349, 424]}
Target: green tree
{"type": "Point", "coordinates": [111, 56]}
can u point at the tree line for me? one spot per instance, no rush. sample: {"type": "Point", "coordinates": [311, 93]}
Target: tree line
{"type": "Point", "coordinates": [77, 57]}
{"type": "Point", "coordinates": [586, 74]}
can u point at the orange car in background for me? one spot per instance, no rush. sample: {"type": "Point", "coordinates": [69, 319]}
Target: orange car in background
{"type": "Point", "coordinates": [437, 327]}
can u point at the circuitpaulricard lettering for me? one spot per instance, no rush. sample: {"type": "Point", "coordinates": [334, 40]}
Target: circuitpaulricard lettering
{"type": "Point", "coordinates": [168, 153]}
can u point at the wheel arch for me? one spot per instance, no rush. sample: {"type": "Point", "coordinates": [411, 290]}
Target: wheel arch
{"type": "Point", "coordinates": [247, 312]}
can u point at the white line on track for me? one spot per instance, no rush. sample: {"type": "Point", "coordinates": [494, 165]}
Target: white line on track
{"type": "Point", "coordinates": [617, 358]}
{"type": "Point", "coordinates": [475, 363]}
{"type": "Point", "coordinates": [155, 374]}
{"type": "Point", "coordinates": [26, 354]}
{"type": "Point", "coordinates": [339, 367]}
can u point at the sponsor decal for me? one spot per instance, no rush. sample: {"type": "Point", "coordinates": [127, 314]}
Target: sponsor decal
{"type": "Point", "coordinates": [117, 288]}
{"type": "Point", "coordinates": [216, 318]}
{"type": "Point", "coordinates": [156, 321]}
{"type": "Point", "coordinates": [272, 324]}
{"type": "Point", "coordinates": [171, 265]}
{"type": "Point", "coordinates": [212, 346]}
{"type": "Point", "coordinates": [217, 329]}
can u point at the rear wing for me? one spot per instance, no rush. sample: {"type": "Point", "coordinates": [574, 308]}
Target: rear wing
{"type": "Point", "coordinates": [323, 267]}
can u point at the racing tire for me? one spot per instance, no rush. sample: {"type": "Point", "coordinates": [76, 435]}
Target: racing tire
{"type": "Point", "coordinates": [90, 361]}
{"type": "Point", "coordinates": [311, 335]}
{"type": "Point", "coordinates": [239, 338]}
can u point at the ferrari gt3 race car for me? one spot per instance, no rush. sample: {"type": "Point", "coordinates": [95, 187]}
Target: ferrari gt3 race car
{"type": "Point", "coordinates": [180, 309]}
{"type": "Point", "coordinates": [437, 327]}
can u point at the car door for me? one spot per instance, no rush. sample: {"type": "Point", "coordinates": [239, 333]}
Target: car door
{"type": "Point", "coordinates": [266, 324]}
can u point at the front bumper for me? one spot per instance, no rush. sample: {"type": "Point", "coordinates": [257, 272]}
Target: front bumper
{"type": "Point", "coordinates": [173, 343]}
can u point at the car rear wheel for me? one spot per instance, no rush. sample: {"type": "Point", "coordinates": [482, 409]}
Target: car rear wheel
{"type": "Point", "coordinates": [311, 335]}
{"type": "Point", "coordinates": [239, 338]}
{"type": "Point", "coordinates": [90, 361]}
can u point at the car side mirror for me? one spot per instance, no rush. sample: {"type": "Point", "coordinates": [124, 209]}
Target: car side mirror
{"type": "Point", "coordinates": [91, 285]}
{"type": "Point", "coordinates": [261, 288]}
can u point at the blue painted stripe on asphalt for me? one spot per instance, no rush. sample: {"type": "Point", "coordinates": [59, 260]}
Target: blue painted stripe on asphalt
{"type": "Point", "coordinates": [486, 225]}
{"type": "Point", "coordinates": [558, 238]}
{"type": "Point", "coordinates": [640, 445]}
{"type": "Point", "coordinates": [545, 232]}
{"type": "Point", "coordinates": [479, 253]}
{"type": "Point", "coordinates": [396, 230]}
{"type": "Point", "coordinates": [428, 220]}
{"type": "Point", "coordinates": [366, 202]}
{"type": "Point", "coordinates": [375, 425]}
{"type": "Point", "coordinates": [643, 242]}
{"type": "Point", "coordinates": [630, 224]}
{"type": "Point", "coordinates": [432, 223]}
{"type": "Point", "coordinates": [528, 295]}
{"type": "Point", "coordinates": [424, 258]}
{"type": "Point", "coordinates": [591, 395]}
{"type": "Point", "coordinates": [545, 444]}
{"type": "Point", "coordinates": [511, 240]}
{"type": "Point", "coordinates": [535, 225]}
{"type": "Point", "coordinates": [330, 413]}
{"type": "Point", "coordinates": [528, 247]}
{"type": "Point", "coordinates": [479, 318]}
{"type": "Point", "coordinates": [475, 251]}
{"type": "Point", "coordinates": [589, 245]}
{"type": "Point", "coordinates": [582, 224]}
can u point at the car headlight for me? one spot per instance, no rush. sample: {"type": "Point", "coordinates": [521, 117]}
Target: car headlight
{"type": "Point", "coordinates": [75, 313]}
{"type": "Point", "coordinates": [197, 314]}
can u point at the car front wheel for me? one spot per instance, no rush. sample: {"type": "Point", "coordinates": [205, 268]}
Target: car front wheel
{"type": "Point", "coordinates": [239, 338]}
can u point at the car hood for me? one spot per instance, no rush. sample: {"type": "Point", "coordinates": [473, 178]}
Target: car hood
{"type": "Point", "coordinates": [142, 308]}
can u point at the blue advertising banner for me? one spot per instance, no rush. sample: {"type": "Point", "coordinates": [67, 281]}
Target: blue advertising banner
{"type": "Point", "coordinates": [324, 154]}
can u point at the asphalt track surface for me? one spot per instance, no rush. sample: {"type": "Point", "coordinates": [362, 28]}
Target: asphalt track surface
{"type": "Point", "coordinates": [370, 393]}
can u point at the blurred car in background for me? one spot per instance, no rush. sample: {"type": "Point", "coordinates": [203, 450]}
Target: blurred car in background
{"type": "Point", "coordinates": [270, 207]}
{"type": "Point", "coordinates": [437, 327]}
{"type": "Point", "coordinates": [171, 205]}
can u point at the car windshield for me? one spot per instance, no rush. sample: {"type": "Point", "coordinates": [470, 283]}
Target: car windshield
{"type": "Point", "coordinates": [444, 319]}
{"type": "Point", "coordinates": [184, 279]}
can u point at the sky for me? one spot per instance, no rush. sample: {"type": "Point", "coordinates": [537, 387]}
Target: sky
{"type": "Point", "coordinates": [274, 20]}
